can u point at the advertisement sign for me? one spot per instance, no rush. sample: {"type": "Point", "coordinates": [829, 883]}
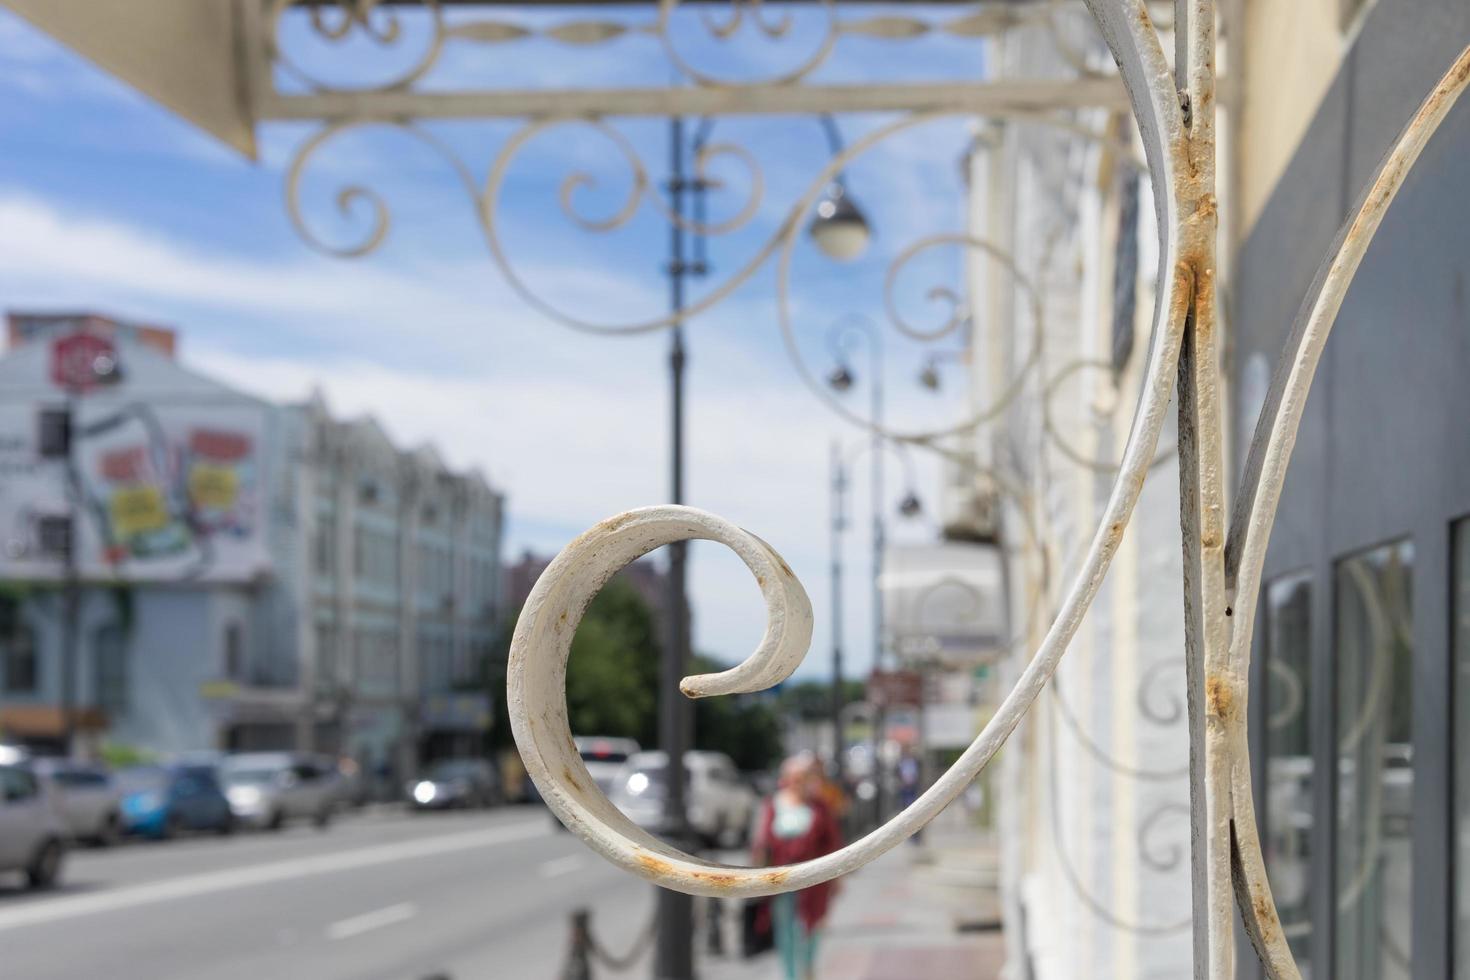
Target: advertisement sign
{"type": "Point", "coordinates": [81, 361]}
{"type": "Point", "coordinates": [167, 491]}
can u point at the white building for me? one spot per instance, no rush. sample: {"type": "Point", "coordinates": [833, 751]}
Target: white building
{"type": "Point", "coordinates": [251, 575]}
{"type": "Point", "coordinates": [1093, 833]}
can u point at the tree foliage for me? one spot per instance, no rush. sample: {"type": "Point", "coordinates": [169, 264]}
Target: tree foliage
{"type": "Point", "coordinates": [612, 686]}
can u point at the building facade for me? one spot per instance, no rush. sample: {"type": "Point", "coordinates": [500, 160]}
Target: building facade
{"type": "Point", "coordinates": [1092, 790]}
{"type": "Point", "coordinates": [1361, 692]}
{"type": "Point", "coordinates": [245, 575]}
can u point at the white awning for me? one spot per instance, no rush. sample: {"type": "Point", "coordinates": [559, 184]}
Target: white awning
{"type": "Point", "coordinates": [944, 603]}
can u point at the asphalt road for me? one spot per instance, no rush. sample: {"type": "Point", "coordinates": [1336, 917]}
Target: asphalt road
{"type": "Point", "coordinates": [379, 896]}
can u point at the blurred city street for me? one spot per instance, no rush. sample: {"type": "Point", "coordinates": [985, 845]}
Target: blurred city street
{"type": "Point", "coordinates": [390, 895]}
{"type": "Point", "coordinates": [381, 895]}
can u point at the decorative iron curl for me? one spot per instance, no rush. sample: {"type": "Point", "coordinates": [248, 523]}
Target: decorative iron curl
{"type": "Point", "coordinates": [978, 417]}
{"type": "Point", "coordinates": [350, 196]}
{"type": "Point", "coordinates": [738, 8]}
{"type": "Point", "coordinates": [1054, 434]}
{"type": "Point", "coordinates": [358, 14]}
{"type": "Point", "coordinates": [820, 54]}
{"type": "Point", "coordinates": [1100, 910]}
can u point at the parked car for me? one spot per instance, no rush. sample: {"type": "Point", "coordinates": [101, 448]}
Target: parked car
{"type": "Point", "coordinates": [605, 758]}
{"type": "Point", "coordinates": [719, 803]}
{"type": "Point", "coordinates": [456, 783]}
{"type": "Point", "coordinates": [32, 832]}
{"type": "Point", "coordinates": [162, 801]}
{"type": "Point", "coordinates": [89, 799]}
{"type": "Point", "coordinates": [267, 789]}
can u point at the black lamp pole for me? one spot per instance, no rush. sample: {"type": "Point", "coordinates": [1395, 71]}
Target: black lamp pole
{"type": "Point", "coordinates": [674, 955]}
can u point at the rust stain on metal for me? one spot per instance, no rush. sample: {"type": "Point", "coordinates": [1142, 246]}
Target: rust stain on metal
{"type": "Point", "coordinates": [1219, 697]}
{"type": "Point", "coordinates": [566, 772]}
{"type": "Point", "coordinates": [776, 876]}
{"type": "Point", "coordinates": [1265, 911]}
{"type": "Point", "coordinates": [654, 865]}
{"type": "Point", "coordinates": [717, 879]}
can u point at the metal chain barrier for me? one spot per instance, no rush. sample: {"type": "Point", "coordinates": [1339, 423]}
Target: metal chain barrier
{"type": "Point", "coordinates": [584, 949]}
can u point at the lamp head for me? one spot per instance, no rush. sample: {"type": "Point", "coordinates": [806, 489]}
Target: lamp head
{"type": "Point", "coordinates": [838, 227]}
{"type": "Point", "coordinates": [840, 378]}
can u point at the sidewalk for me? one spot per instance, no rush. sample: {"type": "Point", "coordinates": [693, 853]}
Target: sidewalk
{"type": "Point", "coordinates": [927, 912]}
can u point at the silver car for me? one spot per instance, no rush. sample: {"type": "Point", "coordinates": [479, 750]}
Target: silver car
{"type": "Point", "coordinates": [32, 833]}
{"type": "Point", "coordinates": [605, 758]}
{"type": "Point", "coordinates": [89, 799]}
{"type": "Point", "coordinates": [267, 789]}
{"type": "Point", "coordinates": [719, 803]}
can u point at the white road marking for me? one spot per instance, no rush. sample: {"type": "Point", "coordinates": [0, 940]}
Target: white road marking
{"type": "Point", "coordinates": [190, 886]}
{"type": "Point", "coordinates": [561, 866]}
{"type": "Point", "coordinates": [368, 921]}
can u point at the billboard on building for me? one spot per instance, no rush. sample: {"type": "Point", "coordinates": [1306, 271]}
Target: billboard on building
{"type": "Point", "coordinates": [165, 491]}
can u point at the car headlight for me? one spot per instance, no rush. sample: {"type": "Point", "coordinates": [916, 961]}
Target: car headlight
{"type": "Point", "coordinates": [244, 795]}
{"type": "Point", "coordinates": [637, 784]}
{"type": "Point", "coordinates": [424, 792]}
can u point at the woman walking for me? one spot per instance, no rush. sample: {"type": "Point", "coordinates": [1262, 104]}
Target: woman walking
{"type": "Point", "coordinates": [796, 825]}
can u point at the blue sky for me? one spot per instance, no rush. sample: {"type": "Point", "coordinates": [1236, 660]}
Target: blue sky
{"type": "Point", "coordinates": [108, 202]}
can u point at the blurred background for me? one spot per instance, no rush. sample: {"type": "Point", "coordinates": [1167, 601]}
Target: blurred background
{"type": "Point", "coordinates": [329, 324]}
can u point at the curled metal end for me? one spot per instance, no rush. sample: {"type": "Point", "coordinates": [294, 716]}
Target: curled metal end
{"type": "Point", "coordinates": [536, 687]}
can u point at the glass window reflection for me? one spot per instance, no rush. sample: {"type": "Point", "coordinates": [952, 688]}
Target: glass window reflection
{"type": "Point", "coordinates": [1288, 736]}
{"type": "Point", "coordinates": [1375, 762]}
{"type": "Point", "coordinates": [1460, 596]}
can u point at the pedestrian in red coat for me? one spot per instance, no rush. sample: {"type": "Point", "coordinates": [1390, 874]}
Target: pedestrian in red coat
{"type": "Point", "coordinates": [796, 825]}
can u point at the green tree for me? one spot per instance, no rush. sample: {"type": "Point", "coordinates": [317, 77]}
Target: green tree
{"type": "Point", "coordinates": [612, 686]}
{"type": "Point", "coordinates": [612, 673]}
{"type": "Point", "coordinates": [746, 727]}
{"type": "Point", "coordinates": [812, 700]}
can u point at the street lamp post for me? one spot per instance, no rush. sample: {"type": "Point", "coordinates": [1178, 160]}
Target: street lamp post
{"type": "Point", "coordinates": [839, 523]}
{"type": "Point", "coordinates": [841, 379]}
{"type": "Point", "coordinates": [909, 506]}
{"type": "Point", "coordinates": [81, 363]}
{"type": "Point", "coordinates": [674, 957]}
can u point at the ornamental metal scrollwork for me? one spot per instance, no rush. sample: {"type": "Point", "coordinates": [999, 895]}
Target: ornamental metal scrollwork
{"type": "Point", "coordinates": [1173, 106]}
{"type": "Point", "coordinates": [339, 21]}
{"type": "Point", "coordinates": [1222, 580]}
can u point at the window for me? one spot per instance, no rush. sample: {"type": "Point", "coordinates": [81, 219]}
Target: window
{"type": "Point", "coordinates": [109, 646]}
{"type": "Point", "coordinates": [53, 535]}
{"type": "Point", "coordinates": [1460, 640]}
{"type": "Point", "coordinates": [1375, 771]}
{"type": "Point", "coordinates": [234, 650]}
{"type": "Point", "coordinates": [1289, 764]}
{"type": "Point", "coordinates": [325, 546]}
{"type": "Point", "coordinates": [326, 655]}
{"type": "Point", "coordinates": [54, 433]}
{"type": "Point", "coordinates": [21, 671]}
{"type": "Point", "coordinates": [17, 785]}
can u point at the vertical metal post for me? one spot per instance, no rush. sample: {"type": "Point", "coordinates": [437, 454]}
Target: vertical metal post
{"type": "Point", "coordinates": [674, 957]}
{"type": "Point", "coordinates": [839, 522]}
{"type": "Point", "coordinates": [72, 586]}
{"type": "Point", "coordinates": [875, 347]}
